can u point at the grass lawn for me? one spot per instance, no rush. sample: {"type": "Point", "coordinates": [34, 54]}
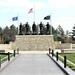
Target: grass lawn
{"type": "Point", "coordinates": [5, 57]}
{"type": "Point", "coordinates": [2, 56]}
{"type": "Point", "coordinates": [70, 57]}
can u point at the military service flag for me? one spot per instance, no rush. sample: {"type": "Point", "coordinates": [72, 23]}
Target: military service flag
{"type": "Point", "coordinates": [15, 18]}
{"type": "Point", "coordinates": [47, 17]}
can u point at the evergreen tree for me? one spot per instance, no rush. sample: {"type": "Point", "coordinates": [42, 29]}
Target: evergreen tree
{"type": "Point", "coordinates": [60, 30]}
{"type": "Point", "coordinates": [13, 32]}
{"type": "Point", "coordinates": [6, 33]}
{"type": "Point", "coordinates": [73, 34]}
{"type": "Point", "coordinates": [1, 32]}
{"type": "Point", "coordinates": [59, 36]}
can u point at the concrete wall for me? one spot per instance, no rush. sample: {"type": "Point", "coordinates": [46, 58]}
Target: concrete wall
{"type": "Point", "coordinates": [73, 46]}
{"type": "Point", "coordinates": [5, 47]}
{"type": "Point", "coordinates": [68, 51]}
{"type": "Point", "coordinates": [64, 46]}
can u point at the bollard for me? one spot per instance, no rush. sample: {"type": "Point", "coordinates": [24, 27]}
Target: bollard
{"type": "Point", "coordinates": [52, 53]}
{"type": "Point", "coordinates": [64, 61]}
{"type": "Point", "coordinates": [0, 61]}
{"type": "Point", "coordinates": [49, 50]}
{"type": "Point", "coordinates": [8, 56]}
{"type": "Point", "coordinates": [14, 53]}
{"type": "Point", "coordinates": [17, 51]}
{"type": "Point", "coordinates": [57, 56]}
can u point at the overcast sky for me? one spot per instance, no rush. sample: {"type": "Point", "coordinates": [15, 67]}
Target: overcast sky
{"type": "Point", "coordinates": [62, 12]}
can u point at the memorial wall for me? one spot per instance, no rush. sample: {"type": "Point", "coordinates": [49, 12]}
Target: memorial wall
{"type": "Point", "coordinates": [33, 42]}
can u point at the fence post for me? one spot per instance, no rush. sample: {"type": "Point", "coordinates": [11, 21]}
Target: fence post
{"type": "Point", "coordinates": [64, 61]}
{"type": "Point", "coordinates": [52, 53]}
{"type": "Point", "coordinates": [8, 56]}
{"type": "Point", "coordinates": [57, 56]}
{"type": "Point", "coordinates": [14, 53]}
{"type": "Point", "coordinates": [49, 50]}
{"type": "Point", "coordinates": [0, 61]}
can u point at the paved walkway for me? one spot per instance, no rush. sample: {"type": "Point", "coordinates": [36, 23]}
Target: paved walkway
{"type": "Point", "coordinates": [32, 64]}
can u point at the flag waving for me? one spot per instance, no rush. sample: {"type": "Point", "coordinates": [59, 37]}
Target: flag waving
{"type": "Point", "coordinates": [15, 18]}
{"type": "Point", "coordinates": [30, 11]}
{"type": "Point", "coordinates": [47, 17]}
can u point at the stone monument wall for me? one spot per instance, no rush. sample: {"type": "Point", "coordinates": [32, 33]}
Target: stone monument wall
{"type": "Point", "coordinates": [33, 42]}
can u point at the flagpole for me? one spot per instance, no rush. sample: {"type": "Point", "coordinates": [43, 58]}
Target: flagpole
{"type": "Point", "coordinates": [51, 24]}
{"type": "Point", "coordinates": [18, 23]}
{"type": "Point", "coordinates": [34, 13]}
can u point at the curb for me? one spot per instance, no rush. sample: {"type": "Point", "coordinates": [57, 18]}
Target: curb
{"type": "Point", "coordinates": [59, 66]}
{"type": "Point", "coordinates": [1, 69]}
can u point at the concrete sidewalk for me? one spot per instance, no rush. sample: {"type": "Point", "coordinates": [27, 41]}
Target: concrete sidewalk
{"type": "Point", "coordinates": [32, 64]}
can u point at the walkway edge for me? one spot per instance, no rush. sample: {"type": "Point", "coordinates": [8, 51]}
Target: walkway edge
{"type": "Point", "coordinates": [59, 65]}
{"type": "Point", "coordinates": [9, 62]}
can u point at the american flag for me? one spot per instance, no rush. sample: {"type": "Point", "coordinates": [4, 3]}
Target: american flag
{"type": "Point", "coordinates": [30, 11]}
